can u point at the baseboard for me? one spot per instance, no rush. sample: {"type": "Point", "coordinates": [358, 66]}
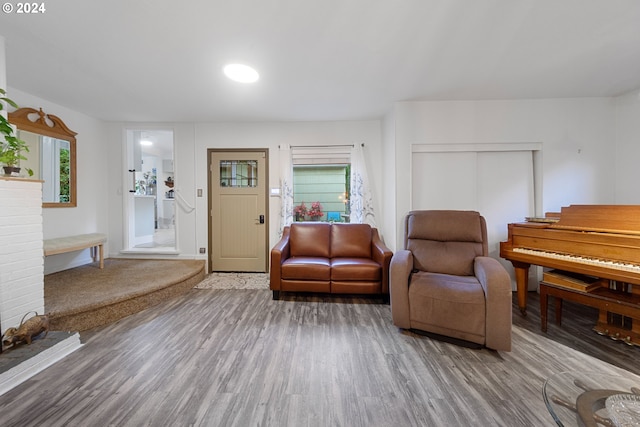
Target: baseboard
{"type": "Point", "coordinates": [26, 369]}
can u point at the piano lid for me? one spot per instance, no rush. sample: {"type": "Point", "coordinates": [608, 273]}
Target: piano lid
{"type": "Point", "coordinates": [620, 219]}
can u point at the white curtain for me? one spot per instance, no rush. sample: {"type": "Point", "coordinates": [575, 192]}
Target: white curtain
{"type": "Point", "coordinates": [286, 187]}
{"type": "Point", "coordinates": [361, 200]}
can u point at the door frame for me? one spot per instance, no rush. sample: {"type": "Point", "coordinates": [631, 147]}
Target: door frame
{"type": "Point", "coordinates": [128, 202]}
{"type": "Point", "coordinates": [210, 151]}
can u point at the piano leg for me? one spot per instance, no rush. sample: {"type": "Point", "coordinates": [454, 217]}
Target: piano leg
{"type": "Point", "coordinates": [544, 303]}
{"type": "Point", "coordinates": [558, 311]}
{"type": "Point", "coordinates": [522, 282]}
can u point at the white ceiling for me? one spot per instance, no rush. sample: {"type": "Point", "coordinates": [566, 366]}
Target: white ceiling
{"type": "Point", "coordinates": [161, 60]}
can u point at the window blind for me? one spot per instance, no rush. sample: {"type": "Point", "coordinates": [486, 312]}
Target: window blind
{"type": "Point", "coordinates": [321, 155]}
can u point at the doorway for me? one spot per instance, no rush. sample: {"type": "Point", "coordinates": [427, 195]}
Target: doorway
{"type": "Point", "coordinates": [150, 225]}
{"type": "Point", "coordinates": [238, 209]}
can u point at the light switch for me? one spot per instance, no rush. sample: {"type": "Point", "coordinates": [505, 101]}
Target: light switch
{"type": "Point", "coordinates": [199, 192]}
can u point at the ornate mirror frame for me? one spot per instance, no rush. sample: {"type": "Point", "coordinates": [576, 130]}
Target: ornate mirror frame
{"type": "Point", "coordinates": [36, 121]}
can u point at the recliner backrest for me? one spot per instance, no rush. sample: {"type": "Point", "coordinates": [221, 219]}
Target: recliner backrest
{"type": "Point", "coordinates": [445, 241]}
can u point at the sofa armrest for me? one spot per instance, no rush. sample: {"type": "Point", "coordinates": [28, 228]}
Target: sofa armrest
{"type": "Point", "coordinates": [381, 254]}
{"type": "Point", "coordinates": [496, 284]}
{"type": "Point", "coordinates": [279, 253]}
{"type": "Point", "coordinates": [399, 273]}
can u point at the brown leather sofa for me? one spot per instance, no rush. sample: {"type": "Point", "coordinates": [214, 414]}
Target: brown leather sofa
{"type": "Point", "coordinates": [331, 258]}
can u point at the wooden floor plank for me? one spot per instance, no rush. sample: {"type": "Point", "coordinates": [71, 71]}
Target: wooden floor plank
{"type": "Point", "coordinates": [238, 358]}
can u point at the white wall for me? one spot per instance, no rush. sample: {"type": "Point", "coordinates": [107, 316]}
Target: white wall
{"type": "Point", "coordinates": [91, 213]}
{"type": "Point", "coordinates": [577, 136]}
{"type": "Point", "coordinates": [270, 135]}
{"type": "Point", "coordinates": [579, 163]}
{"type": "Point", "coordinates": [191, 144]}
{"type": "Point", "coordinates": [627, 148]}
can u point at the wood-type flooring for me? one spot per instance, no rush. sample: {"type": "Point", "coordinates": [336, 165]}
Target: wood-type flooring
{"type": "Point", "coordinates": [238, 358]}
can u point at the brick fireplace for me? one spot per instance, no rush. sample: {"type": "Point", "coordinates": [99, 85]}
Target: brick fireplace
{"type": "Point", "coordinates": [21, 258]}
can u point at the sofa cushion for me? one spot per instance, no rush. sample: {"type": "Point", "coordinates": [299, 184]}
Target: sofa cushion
{"type": "Point", "coordinates": [356, 269]}
{"type": "Point", "coordinates": [310, 240]}
{"type": "Point", "coordinates": [306, 268]}
{"type": "Point", "coordinates": [351, 240]}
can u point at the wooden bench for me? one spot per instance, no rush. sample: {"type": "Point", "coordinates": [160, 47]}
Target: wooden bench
{"type": "Point", "coordinates": [93, 241]}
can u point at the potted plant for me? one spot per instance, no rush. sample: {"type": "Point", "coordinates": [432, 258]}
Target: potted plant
{"type": "Point", "coordinates": [11, 147]}
{"type": "Point", "coordinates": [300, 211]}
{"type": "Point", "coordinates": [316, 211]}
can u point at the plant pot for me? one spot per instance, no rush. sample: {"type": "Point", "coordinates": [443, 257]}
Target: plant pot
{"type": "Point", "coordinates": [9, 170]}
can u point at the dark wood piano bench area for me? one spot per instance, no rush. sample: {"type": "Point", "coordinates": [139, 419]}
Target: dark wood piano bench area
{"type": "Point", "coordinates": [619, 316]}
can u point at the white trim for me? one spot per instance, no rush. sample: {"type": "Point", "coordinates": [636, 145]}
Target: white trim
{"type": "Point", "coordinates": [39, 362]}
{"type": "Point", "coordinates": [497, 146]}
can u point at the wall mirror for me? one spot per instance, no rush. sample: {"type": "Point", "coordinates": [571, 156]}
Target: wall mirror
{"type": "Point", "coordinates": [51, 156]}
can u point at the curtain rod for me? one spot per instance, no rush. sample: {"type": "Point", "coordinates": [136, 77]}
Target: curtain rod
{"type": "Point", "coordinates": [325, 146]}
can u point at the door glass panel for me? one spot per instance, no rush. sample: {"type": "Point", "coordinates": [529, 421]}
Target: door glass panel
{"type": "Point", "coordinates": [238, 173]}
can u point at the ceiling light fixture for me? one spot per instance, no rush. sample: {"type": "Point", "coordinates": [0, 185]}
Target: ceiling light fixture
{"type": "Point", "coordinates": [241, 73]}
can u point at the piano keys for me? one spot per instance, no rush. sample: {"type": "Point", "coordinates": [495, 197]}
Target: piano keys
{"type": "Point", "coordinates": [595, 240]}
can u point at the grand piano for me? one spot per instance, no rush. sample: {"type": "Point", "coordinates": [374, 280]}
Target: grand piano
{"type": "Point", "coordinates": [596, 240]}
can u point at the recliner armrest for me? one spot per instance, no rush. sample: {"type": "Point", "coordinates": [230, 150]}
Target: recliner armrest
{"type": "Point", "coordinates": [399, 274]}
{"type": "Point", "coordinates": [279, 253]}
{"type": "Point", "coordinates": [496, 284]}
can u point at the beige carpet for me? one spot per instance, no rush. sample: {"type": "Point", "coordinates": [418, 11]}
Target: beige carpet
{"type": "Point", "coordinates": [235, 281]}
{"type": "Point", "coordinates": [86, 297]}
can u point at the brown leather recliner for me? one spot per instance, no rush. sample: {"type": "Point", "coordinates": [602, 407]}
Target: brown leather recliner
{"type": "Point", "coordinates": [444, 282]}
{"type": "Point", "coordinates": [330, 258]}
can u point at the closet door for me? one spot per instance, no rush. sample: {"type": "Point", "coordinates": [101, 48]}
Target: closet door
{"type": "Point", "coordinates": [505, 192]}
{"type": "Point", "coordinates": [498, 184]}
{"type": "Point", "coordinates": [444, 180]}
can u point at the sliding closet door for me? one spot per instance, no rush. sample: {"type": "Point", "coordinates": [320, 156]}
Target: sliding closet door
{"type": "Point", "coordinates": [498, 184]}
{"type": "Point", "coordinates": [505, 192]}
{"type": "Point", "coordinates": [444, 181]}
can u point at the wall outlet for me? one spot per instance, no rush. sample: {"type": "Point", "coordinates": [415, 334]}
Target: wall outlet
{"type": "Point", "coordinates": [203, 250]}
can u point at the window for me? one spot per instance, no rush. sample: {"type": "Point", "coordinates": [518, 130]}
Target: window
{"type": "Point", "coordinates": [238, 173]}
{"type": "Point", "coordinates": [321, 180]}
